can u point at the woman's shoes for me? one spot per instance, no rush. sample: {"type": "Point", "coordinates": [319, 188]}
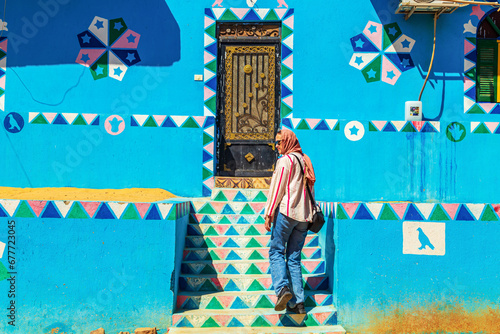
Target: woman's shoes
{"type": "Point", "coordinates": [283, 297]}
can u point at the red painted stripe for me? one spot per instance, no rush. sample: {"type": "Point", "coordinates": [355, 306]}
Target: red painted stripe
{"type": "Point", "coordinates": [288, 187]}
{"type": "Point", "coordinates": [277, 191]}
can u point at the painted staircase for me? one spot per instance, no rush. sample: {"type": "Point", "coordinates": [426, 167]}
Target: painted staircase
{"type": "Point", "coordinates": [225, 284]}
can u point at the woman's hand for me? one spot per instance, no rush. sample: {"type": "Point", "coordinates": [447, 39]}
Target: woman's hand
{"type": "Point", "coordinates": [267, 224]}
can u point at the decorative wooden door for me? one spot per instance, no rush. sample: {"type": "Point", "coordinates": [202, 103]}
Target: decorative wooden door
{"type": "Point", "coordinates": [248, 104]}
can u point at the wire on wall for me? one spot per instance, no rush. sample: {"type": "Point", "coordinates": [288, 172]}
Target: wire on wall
{"type": "Point", "coordinates": [432, 58]}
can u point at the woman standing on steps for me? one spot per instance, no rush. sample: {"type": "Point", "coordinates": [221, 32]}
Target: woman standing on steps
{"type": "Point", "coordinates": [289, 200]}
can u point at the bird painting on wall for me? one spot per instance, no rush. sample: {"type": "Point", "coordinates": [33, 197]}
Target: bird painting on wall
{"type": "Point", "coordinates": [424, 240]}
{"type": "Point", "coordinates": [217, 3]}
{"type": "Point", "coordinates": [251, 3]}
{"type": "Point", "coordinates": [13, 123]}
{"type": "Point", "coordinates": [282, 3]}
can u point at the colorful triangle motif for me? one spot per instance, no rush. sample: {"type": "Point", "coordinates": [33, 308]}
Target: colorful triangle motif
{"type": "Point", "coordinates": [413, 214]}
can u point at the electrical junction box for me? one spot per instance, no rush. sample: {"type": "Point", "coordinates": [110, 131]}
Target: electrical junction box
{"type": "Point", "coordinates": [413, 111]}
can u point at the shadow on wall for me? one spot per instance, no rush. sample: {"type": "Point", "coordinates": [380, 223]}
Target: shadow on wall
{"type": "Point", "coordinates": [44, 32]}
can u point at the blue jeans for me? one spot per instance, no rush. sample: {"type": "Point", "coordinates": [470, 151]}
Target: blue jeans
{"type": "Point", "coordinates": [292, 233]}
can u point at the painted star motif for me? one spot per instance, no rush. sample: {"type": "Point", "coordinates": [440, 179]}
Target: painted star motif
{"type": "Point", "coordinates": [85, 57]}
{"type": "Point", "coordinates": [477, 11]}
{"type": "Point", "coordinates": [130, 57]}
{"type": "Point", "coordinates": [359, 60]}
{"type": "Point", "coordinates": [354, 130]}
{"type": "Point", "coordinates": [406, 43]}
{"type": "Point", "coordinates": [372, 29]}
{"type": "Point", "coordinates": [371, 73]}
{"type": "Point", "coordinates": [99, 70]}
{"type": "Point", "coordinates": [118, 71]}
{"type": "Point", "coordinates": [118, 26]}
{"type": "Point", "coordinates": [390, 75]}
{"type": "Point", "coordinates": [359, 43]}
{"type": "Point", "coordinates": [115, 123]}
{"type": "Point", "coordinates": [86, 38]}
{"type": "Point", "coordinates": [131, 38]}
{"type": "Point", "coordinates": [405, 62]}
{"type": "Point", "coordinates": [99, 24]}
{"type": "Point", "coordinates": [393, 31]}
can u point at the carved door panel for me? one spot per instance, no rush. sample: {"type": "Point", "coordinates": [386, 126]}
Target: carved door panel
{"type": "Point", "coordinates": [248, 108]}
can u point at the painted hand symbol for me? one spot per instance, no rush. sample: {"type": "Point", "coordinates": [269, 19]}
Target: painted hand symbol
{"type": "Point", "coordinates": [456, 132]}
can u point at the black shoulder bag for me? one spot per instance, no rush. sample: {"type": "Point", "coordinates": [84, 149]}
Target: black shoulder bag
{"type": "Point", "coordinates": [318, 219]}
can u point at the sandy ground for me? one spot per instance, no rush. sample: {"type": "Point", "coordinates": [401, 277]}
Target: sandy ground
{"type": "Point", "coordinates": [81, 194]}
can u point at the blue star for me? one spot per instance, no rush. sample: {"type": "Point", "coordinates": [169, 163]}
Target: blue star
{"type": "Point", "coordinates": [406, 43]}
{"type": "Point", "coordinates": [354, 130]}
{"type": "Point", "coordinates": [99, 24]}
{"type": "Point", "coordinates": [393, 31]}
{"type": "Point", "coordinates": [359, 43]}
{"type": "Point", "coordinates": [118, 71]}
{"type": "Point", "coordinates": [131, 38]}
{"type": "Point", "coordinates": [130, 57]}
{"type": "Point", "coordinates": [115, 123]}
{"type": "Point", "coordinates": [85, 57]}
{"type": "Point", "coordinates": [390, 74]}
{"type": "Point", "coordinates": [359, 60]}
{"type": "Point", "coordinates": [118, 26]}
{"type": "Point", "coordinates": [86, 39]}
{"type": "Point", "coordinates": [405, 62]}
{"type": "Point", "coordinates": [372, 29]}
{"type": "Point", "coordinates": [99, 70]}
{"type": "Point", "coordinates": [371, 73]}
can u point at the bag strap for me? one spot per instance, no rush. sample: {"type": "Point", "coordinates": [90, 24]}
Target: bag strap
{"type": "Point", "coordinates": [313, 202]}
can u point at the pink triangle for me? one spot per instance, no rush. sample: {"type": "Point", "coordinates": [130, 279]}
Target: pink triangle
{"type": "Point", "coordinates": [208, 22]}
{"type": "Point", "coordinates": [314, 281]}
{"type": "Point", "coordinates": [273, 298]}
{"type": "Point", "coordinates": [350, 208]}
{"type": "Point", "coordinates": [221, 229]}
{"type": "Point", "coordinates": [263, 266]}
{"type": "Point", "coordinates": [257, 207]}
{"type": "Point", "coordinates": [496, 207]}
{"type": "Point", "coordinates": [230, 194]}
{"type": "Point", "coordinates": [322, 317]}
{"type": "Point", "coordinates": [142, 208]}
{"type": "Point", "coordinates": [184, 254]}
{"type": "Point", "coordinates": [200, 120]}
{"type": "Point", "coordinates": [240, 12]}
{"type": "Point", "coordinates": [90, 207]}
{"type": "Point", "coordinates": [468, 83]}
{"type": "Point", "coordinates": [37, 206]}
{"type": "Point", "coordinates": [208, 93]}
{"type": "Point", "coordinates": [309, 238]}
{"type": "Point", "coordinates": [220, 267]}
{"type": "Point", "coordinates": [260, 228]}
{"type": "Point", "coordinates": [468, 46]}
{"type": "Point", "coordinates": [451, 209]}
{"type": "Point", "coordinates": [289, 61]}
{"type": "Point", "coordinates": [176, 318]}
{"type": "Point", "coordinates": [221, 253]}
{"type": "Point", "coordinates": [219, 241]}
{"type": "Point", "coordinates": [218, 206]}
{"type": "Point", "coordinates": [262, 240]}
{"type": "Point", "coordinates": [488, 107]}
{"type": "Point", "coordinates": [123, 42]}
{"type": "Point", "coordinates": [219, 282]}
{"type": "Point", "coordinates": [210, 148]}
{"type": "Point", "coordinates": [226, 300]}
{"type": "Point", "coordinates": [199, 217]}
{"type": "Point", "coordinates": [289, 101]}
{"type": "Point", "coordinates": [180, 300]}
{"type": "Point", "coordinates": [2, 82]}
{"type": "Point", "coordinates": [208, 57]}
{"type": "Point", "coordinates": [264, 253]}
{"type": "Point", "coordinates": [418, 125]}
{"type": "Point", "coordinates": [310, 265]}
{"type": "Point", "coordinates": [281, 12]}
{"type": "Point", "coordinates": [272, 318]}
{"type": "Point", "coordinates": [289, 21]}
{"type": "Point", "coordinates": [222, 319]}
{"type": "Point", "coordinates": [308, 251]}
{"type": "Point", "coordinates": [3, 45]}
{"type": "Point", "coordinates": [266, 282]}
{"type": "Point", "coordinates": [399, 208]}
{"type": "Point", "coordinates": [92, 54]}
{"type": "Point", "coordinates": [49, 116]}
{"type": "Point", "coordinates": [312, 122]}
{"type": "Point", "coordinates": [319, 298]}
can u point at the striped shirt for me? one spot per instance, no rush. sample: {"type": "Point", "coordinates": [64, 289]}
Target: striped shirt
{"type": "Point", "coordinates": [287, 190]}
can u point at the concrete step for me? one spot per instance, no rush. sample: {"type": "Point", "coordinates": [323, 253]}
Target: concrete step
{"type": "Point", "coordinates": [312, 240]}
{"type": "Point", "coordinates": [249, 253]}
{"type": "Point", "coordinates": [241, 267]}
{"type": "Point", "coordinates": [229, 208]}
{"type": "Point", "coordinates": [227, 229]}
{"type": "Point", "coordinates": [244, 299]}
{"type": "Point", "coordinates": [225, 219]}
{"type": "Point", "coordinates": [214, 283]}
{"type": "Point", "coordinates": [239, 195]}
{"type": "Point", "coordinates": [257, 317]}
{"type": "Point", "coordinates": [337, 329]}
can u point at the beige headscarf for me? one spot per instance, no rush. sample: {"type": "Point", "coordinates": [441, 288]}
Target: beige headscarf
{"type": "Point", "coordinates": [290, 144]}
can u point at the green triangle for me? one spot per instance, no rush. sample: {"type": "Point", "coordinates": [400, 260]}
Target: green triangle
{"type": "Point", "coordinates": [285, 31]}
{"type": "Point", "coordinates": [24, 211]}
{"type": "Point", "coordinates": [228, 16]}
{"type": "Point", "coordinates": [259, 220]}
{"type": "Point", "coordinates": [303, 125]}
{"type": "Point", "coordinates": [212, 66]}
{"type": "Point", "coordinates": [207, 209]}
{"type": "Point", "coordinates": [482, 129]}
{"type": "Point", "coordinates": [310, 322]}
{"type": "Point", "coordinates": [439, 214]}
{"type": "Point", "coordinates": [190, 123]}
{"type": "Point", "coordinates": [211, 232]}
{"type": "Point", "coordinates": [208, 270]}
{"type": "Point", "coordinates": [260, 322]}
{"type": "Point", "coordinates": [260, 197]}
{"type": "Point", "coordinates": [207, 286]}
{"type": "Point", "coordinates": [79, 121]}
{"type": "Point", "coordinates": [210, 323]}
{"type": "Point", "coordinates": [1, 92]}
{"type": "Point", "coordinates": [309, 302]}
{"type": "Point", "coordinates": [471, 74]}
{"type": "Point", "coordinates": [211, 31]}
{"type": "Point", "coordinates": [340, 212]}
{"type": "Point", "coordinates": [304, 271]}
{"type": "Point", "coordinates": [2, 54]}
{"type": "Point", "coordinates": [130, 212]}
{"type": "Point", "coordinates": [253, 270]}
{"type": "Point", "coordinates": [264, 302]}
{"type": "Point", "coordinates": [272, 17]}
{"type": "Point", "coordinates": [285, 71]}
{"type": "Point", "coordinates": [206, 173]}
{"type": "Point", "coordinates": [220, 198]}
{"type": "Point", "coordinates": [387, 213]}
{"type": "Point", "coordinates": [409, 128]}
{"type": "Point", "coordinates": [211, 104]}
{"type": "Point", "coordinates": [214, 305]}
{"type": "Point", "coordinates": [371, 127]}
{"type": "Point", "coordinates": [225, 220]}
{"type": "Point", "coordinates": [255, 286]}
{"type": "Point", "coordinates": [4, 273]}
{"type": "Point", "coordinates": [39, 120]}
{"type": "Point", "coordinates": [172, 215]}
{"type": "Point", "coordinates": [253, 243]}
{"type": "Point", "coordinates": [472, 40]}
{"type": "Point", "coordinates": [77, 212]}
{"type": "Point", "coordinates": [477, 110]}
{"type": "Point", "coordinates": [337, 127]}
{"type": "Point", "coordinates": [247, 210]}
{"type": "Point", "coordinates": [255, 256]}
{"type": "Point", "coordinates": [285, 110]}
{"type": "Point", "coordinates": [214, 256]}
{"type": "Point", "coordinates": [207, 139]}
{"type": "Point", "coordinates": [252, 231]}
{"type": "Point", "coordinates": [210, 243]}
{"type": "Point", "coordinates": [372, 72]}
{"type": "Point", "coordinates": [489, 214]}
{"type": "Point", "coordinates": [150, 123]}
